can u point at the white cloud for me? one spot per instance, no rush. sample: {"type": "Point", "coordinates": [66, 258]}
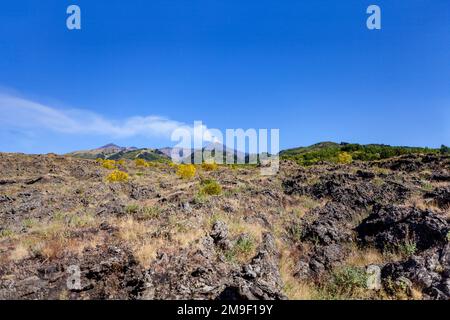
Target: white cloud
{"type": "Point", "coordinates": [16, 112]}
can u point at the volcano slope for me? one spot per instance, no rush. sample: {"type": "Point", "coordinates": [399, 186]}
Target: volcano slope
{"type": "Point", "coordinates": [365, 230]}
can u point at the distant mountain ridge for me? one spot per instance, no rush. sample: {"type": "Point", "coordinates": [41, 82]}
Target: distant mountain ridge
{"type": "Point", "coordinates": [115, 152]}
{"type": "Point", "coordinates": [322, 151]}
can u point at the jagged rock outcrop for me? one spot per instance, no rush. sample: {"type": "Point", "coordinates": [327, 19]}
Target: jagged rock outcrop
{"type": "Point", "coordinates": [429, 271]}
{"type": "Point", "coordinates": [392, 226]}
{"type": "Point", "coordinates": [356, 191]}
{"type": "Point", "coordinates": [441, 196]}
{"type": "Point", "coordinates": [101, 273]}
{"type": "Point", "coordinates": [260, 279]}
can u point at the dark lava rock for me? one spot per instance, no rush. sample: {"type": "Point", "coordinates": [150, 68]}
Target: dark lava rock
{"type": "Point", "coordinates": [332, 225]}
{"type": "Point", "coordinates": [260, 279]}
{"type": "Point", "coordinates": [329, 233]}
{"type": "Point", "coordinates": [430, 271]}
{"type": "Point", "coordinates": [186, 274]}
{"type": "Point", "coordinates": [391, 225]}
{"type": "Point", "coordinates": [296, 185]}
{"type": "Point", "coordinates": [5, 198]}
{"type": "Point", "coordinates": [113, 207]}
{"type": "Point", "coordinates": [441, 176]}
{"type": "Point", "coordinates": [320, 260]}
{"type": "Point", "coordinates": [406, 163]}
{"type": "Point", "coordinates": [365, 174]}
{"type": "Point", "coordinates": [219, 231]}
{"type": "Point", "coordinates": [201, 274]}
{"type": "Point", "coordinates": [141, 192]}
{"type": "Point", "coordinates": [441, 196]}
{"type": "Point", "coordinates": [220, 235]}
{"type": "Point", "coordinates": [104, 273]}
{"type": "Point", "coordinates": [356, 191]}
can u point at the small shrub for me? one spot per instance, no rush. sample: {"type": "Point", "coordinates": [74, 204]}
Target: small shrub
{"type": "Point", "coordinates": [6, 233]}
{"type": "Point", "coordinates": [109, 164]}
{"type": "Point", "coordinates": [28, 223]}
{"type": "Point", "coordinates": [143, 213]}
{"type": "Point", "coordinates": [59, 216]}
{"type": "Point", "coordinates": [121, 162]}
{"type": "Point", "coordinates": [345, 283]}
{"type": "Point", "coordinates": [244, 245]}
{"type": "Point", "coordinates": [117, 176]}
{"type": "Point", "coordinates": [296, 232]}
{"type": "Point", "coordinates": [444, 149]}
{"type": "Point", "coordinates": [79, 221]}
{"type": "Point", "coordinates": [426, 186]}
{"type": "Point", "coordinates": [186, 171]}
{"type": "Point", "coordinates": [350, 277]}
{"type": "Point", "coordinates": [243, 248]}
{"type": "Point", "coordinates": [408, 248]}
{"type": "Point", "coordinates": [378, 181]}
{"type": "Point", "coordinates": [132, 209]}
{"type": "Point", "coordinates": [209, 166]}
{"type": "Point", "coordinates": [210, 187]}
{"type": "Point", "coordinates": [147, 213]}
{"type": "Point", "coordinates": [344, 157]}
{"type": "Point", "coordinates": [399, 289]}
{"type": "Point", "coordinates": [235, 191]}
{"type": "Point", "coordinates": [200, 198]}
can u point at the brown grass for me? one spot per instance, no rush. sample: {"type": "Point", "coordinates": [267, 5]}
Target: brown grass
{"type": "Point", "coordinates": [364, 257]}
{"type": "Point", "coordinates": [294, 288]}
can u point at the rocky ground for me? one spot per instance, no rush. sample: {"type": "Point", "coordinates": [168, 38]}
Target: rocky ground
{"type": "Point", "coordinates": [366, 230]}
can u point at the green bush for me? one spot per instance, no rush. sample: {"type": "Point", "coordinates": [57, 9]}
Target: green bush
{"type": "Point", "coordinates": [345, 283]}
{"type": "Point", "coordinates": [147, 213]}
{"type": "Point", "coordinates": [6, 233]}
{"type": "Point", "coordinates": [408, 248]}
{"type": "Point", "coordinates": [143, 213]}
{"type": "Point", "coordinates": [330, 152]}
{"type": "Point", "coordinates": [210, 187]}
{"type": "Point", "coordinates": [241, 250]}
{"type": "Point", "coordinates": [132, 209]}
{"type": "Point", "coordinates": [244, 245]}
{"type": "Point", "coordinates": [444, 149]}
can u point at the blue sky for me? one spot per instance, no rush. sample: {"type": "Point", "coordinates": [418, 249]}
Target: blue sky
{"type": "Point", "coordinates": [137, 69]}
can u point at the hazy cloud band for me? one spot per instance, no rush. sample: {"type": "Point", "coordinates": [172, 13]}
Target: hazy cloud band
{"type": "Point", "coordinates": [22, 113]}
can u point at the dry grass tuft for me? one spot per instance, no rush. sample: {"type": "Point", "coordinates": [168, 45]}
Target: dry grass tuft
{"type": "Point", "coordinates": [364, 257]}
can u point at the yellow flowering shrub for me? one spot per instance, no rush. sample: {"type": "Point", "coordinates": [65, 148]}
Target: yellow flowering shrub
{"type": "Point", "coordinates": [117, 176]}
{"type": "Point", "coordinates": [186, 171]}
{"type": "Point", "coordinates": [109, 164]}
{"type": "Point", "coordinates": [344, 157]}
{"type": "Point", "coordinates": [140, 162]}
